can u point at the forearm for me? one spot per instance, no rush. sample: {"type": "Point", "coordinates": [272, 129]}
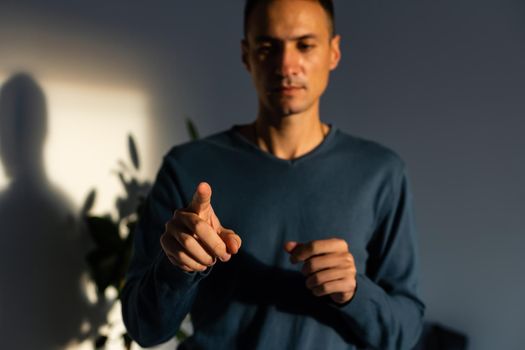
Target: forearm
{"type": "Point", "coordinates": [386, 311]}
{"type": "Point", "coordinates": [156, 300]}
{"type": "Point", "coordinates": [383, 320]}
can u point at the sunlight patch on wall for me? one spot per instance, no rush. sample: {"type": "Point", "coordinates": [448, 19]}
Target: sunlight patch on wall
{"type": "Point", "coordinates": [88, 127]}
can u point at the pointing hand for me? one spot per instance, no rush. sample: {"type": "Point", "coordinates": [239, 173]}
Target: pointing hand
{"type": "Point", "coordinates": [194, 236]}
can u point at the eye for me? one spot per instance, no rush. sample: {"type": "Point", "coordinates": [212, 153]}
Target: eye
{"type": "Point", "coordinates": [264, 48]}
{"type": "Point", "coordinates": [305, 46]}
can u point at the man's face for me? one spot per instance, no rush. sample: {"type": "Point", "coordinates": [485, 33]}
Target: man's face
{"type": "Point", "coordinates": [289, 53]}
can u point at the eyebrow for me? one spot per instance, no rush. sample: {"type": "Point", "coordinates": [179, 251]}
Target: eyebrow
{"type": "Point", "coordinates": [261, 38]}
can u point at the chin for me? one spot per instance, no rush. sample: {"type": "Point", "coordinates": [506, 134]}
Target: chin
{"type": "Point", "coordinates": [290, 110]}
{"type": "Point", "coordinates": [286, 109]}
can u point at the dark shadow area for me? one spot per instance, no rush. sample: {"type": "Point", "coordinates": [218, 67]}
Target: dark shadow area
{"type": "Point", "coordinates": [42, 249]}
{"type": "Point", "coordinates": [265, 287]}
{"type": "Point", "coordinates": [438, 337]}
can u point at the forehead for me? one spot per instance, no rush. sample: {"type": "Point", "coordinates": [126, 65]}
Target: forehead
{"type": "Point", "coordinates": [286, 19]}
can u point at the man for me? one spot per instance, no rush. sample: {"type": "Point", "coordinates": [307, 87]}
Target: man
{"type": "Point", "coordinates": [327, 257]}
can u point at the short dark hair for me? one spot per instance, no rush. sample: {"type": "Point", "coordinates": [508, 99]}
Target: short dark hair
{"type": "Point", "coordinates": [327, 5]}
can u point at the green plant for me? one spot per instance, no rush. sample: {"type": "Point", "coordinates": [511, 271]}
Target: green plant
{"type": "Point", "coordinates": [108, 261]}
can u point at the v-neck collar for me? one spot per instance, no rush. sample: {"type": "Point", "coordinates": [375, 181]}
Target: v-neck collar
{"type": "Point", "coordinates": [234, 132]}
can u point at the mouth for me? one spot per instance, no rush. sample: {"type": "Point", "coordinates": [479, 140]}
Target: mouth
{"type": "Point", "coordinates": [286, 90]}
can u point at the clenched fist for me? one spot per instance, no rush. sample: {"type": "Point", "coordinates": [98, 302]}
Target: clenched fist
{"type": "Point", "coordinates": [328, 266]}
{"type": "Point", "coordinates": [194, 237]}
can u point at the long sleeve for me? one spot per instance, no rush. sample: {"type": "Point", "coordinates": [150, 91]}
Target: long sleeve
{"type": "Point", "coordinates": [347, 186]}
{"type": "Point", "coordinates": [386, 312]}
{"type": "Point", "coordinates": [157, 295]}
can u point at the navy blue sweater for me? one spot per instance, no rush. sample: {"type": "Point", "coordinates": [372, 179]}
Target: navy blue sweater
{"type": "Point", "coordinates": [346, 187]}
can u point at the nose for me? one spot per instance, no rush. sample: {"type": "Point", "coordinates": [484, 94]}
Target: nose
{"type": "Point", "coordinates": [289, 61]}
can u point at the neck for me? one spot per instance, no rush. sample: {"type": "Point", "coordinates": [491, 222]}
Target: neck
{"type": "Point", "coordinates": [287, 137]}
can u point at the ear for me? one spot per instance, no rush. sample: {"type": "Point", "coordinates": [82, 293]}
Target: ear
{"type": "Point", "coordinates": [244, 54]}
{"type": "Point", "coordinates": [335, 51]}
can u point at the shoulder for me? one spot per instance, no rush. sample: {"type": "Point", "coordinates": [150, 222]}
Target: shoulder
{"type": "Point", "coordinates": [184, 163]}
{"type": "Point", "coordinates": [367, 153]}
{"type": "Point", "coordinates": [202, 148]}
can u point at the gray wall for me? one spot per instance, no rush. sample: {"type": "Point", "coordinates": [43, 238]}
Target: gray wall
{"type": "Point", "coordinates": [440, 82]}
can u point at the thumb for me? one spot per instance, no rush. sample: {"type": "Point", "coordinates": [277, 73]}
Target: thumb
{"type": "Point", "coordinates": [290, 246]}
{"type": "Point", "coordinates": [201, 201]}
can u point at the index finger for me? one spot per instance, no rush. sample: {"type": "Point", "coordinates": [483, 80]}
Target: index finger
{"type": "Point", "coordinates": [303, 252]}
{"type": "Point", "coordinates": [231, 239]}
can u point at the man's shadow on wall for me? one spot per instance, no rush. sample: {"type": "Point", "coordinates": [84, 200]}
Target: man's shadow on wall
{"type": "Point", "coordinates": [42, 250]}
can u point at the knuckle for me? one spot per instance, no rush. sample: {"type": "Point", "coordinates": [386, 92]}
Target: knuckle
{"type": "Point", "coordinates": [309, 284]}
{"type": "Point", "coordinates": [168, 227]}
{"type": "Point", "coordinates": [307, 267]}
{"type": "Point", "coordinates": [185, 240]}
{"type": "Point", "coordinates": [349, 259]}
{"type": "Point", "coordinates": [179, 218]}
{"type": "Point", "coordinates": [323, 289]}
{"type": "Point", "coordinates": [185, 268]}
{"type": "Point", "coordinates": [338, 243]}
{"type": "Point", "coordinates": [315, 279]}
{"type": "Point", "coordinates": [353, 274]}
{"type": "Point", "coordinates": [178, 254]}
{"type": "Point", "coordinates": [173, 226]}
{"type": "Point", "coordinates": [200, 226]}
{"type": "Point", "coordinates": [166, 243]}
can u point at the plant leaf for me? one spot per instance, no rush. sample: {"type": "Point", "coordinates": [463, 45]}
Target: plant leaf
{"type": "Point", "coordinates": [104, 232]}
{"type": "Point", "coordinates": [123, 180]}
{"type": "Point", "coordinates": [89, 202]}
{"type": "Point", "coordinates": [100, 341]}
{"type": "Point", "coordinates": [123, 165]}
{"type": "Point", "coordinates": [134, 155]}
{"type": "Point", "coordinates": [127, 341]}
{"type": "Point", "coordinates": [102, 265]}
{"type": "Point", "coordinates": [192, 130]}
